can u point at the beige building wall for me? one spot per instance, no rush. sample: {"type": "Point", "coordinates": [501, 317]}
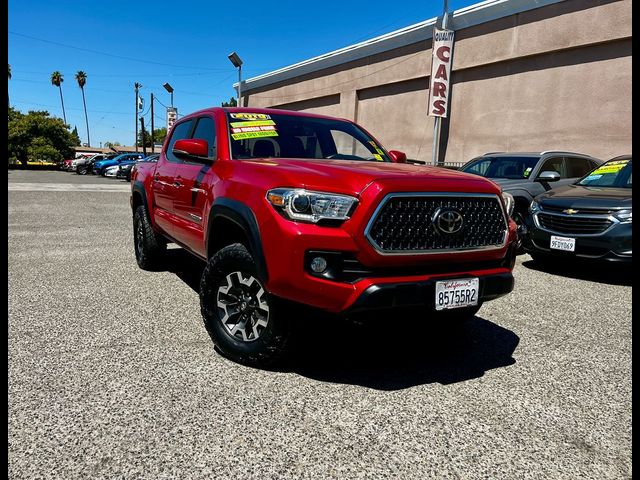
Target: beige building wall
{"type": "Point", "coordinates": [556, 77]}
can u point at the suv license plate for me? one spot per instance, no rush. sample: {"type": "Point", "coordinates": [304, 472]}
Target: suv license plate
{"type": "Point", "coordinates": [567, 244]}
{"type": "Point", "coordinates": [462, 292]}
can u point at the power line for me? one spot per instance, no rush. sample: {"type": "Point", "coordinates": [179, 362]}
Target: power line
{"type": "Point", "coordinates": [98, 52]}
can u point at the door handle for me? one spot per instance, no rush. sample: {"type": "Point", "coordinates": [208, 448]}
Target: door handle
{"type": "Point", "coordinates": [177, 184]}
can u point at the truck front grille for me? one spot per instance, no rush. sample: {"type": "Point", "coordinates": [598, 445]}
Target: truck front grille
{"type": "Point", "coordinates": [406, 223]}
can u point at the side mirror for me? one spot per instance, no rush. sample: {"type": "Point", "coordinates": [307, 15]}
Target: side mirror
{"type": "Point", "coordinates": [192, 149]}
{"type": "Point", "coordinates": [548, 176]}
{"type": "Point", "coordinates": [398, 157]}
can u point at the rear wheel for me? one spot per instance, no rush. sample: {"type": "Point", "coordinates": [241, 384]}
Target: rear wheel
{"type": "Point", "coordinates": [246, 323]}
{"type": "Point", "coordinates": [81, 170]}
{"type": "Point", "coordinates": [149, 247]}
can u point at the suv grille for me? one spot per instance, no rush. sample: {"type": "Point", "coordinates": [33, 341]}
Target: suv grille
{"type": "Point", "coordinates": [405, 223]}
{"type": "Point", "coordinates": [575, 224]}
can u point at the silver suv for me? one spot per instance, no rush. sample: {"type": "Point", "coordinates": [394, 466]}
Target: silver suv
{"type": "Point", "coordinates": [527, 174]}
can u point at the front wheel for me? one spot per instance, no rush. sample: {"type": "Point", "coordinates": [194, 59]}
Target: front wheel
{"type": "Point", "coordinates": [245, 322]}
{"type": "Point", "coordinates": [81, 171]}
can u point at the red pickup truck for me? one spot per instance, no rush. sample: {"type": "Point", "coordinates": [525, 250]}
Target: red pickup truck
{"type": "Point", "coordinates": [293, 207]}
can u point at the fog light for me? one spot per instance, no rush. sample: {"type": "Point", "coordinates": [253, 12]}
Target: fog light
{"type": "Point", "coordinates": [318, 264]}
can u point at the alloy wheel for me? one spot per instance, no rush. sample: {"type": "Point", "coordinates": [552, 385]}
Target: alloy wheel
{"type": "Point", "coordinates": [243, 306]}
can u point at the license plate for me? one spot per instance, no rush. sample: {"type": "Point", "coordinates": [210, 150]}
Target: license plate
{"type": "Point", "coordinates": [462, 292]}
{"type": "Point", "coordinates": [567, 244]}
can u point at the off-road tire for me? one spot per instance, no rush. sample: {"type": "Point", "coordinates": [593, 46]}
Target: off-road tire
{"type": "Point", "coordinates": [149, 247]}
{"type": "Point", "coordinates": [272, 343]}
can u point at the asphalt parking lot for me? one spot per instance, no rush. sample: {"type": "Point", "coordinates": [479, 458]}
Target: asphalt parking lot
{"type": "Point", "coordinates": [112, 374]}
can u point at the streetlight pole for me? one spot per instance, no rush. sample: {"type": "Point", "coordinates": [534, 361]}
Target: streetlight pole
{"type": "Point", "coordinates": [169, 89]}
{"type": "Point", "coordinates": [137, 87]}
{"type": "Point", "coordinates": [152, 140]}
{"type": "Point", "coordinates": [237, 62]}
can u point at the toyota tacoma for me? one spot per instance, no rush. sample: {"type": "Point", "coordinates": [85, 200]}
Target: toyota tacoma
{"type": "Point", "coordinates": [290, 207]}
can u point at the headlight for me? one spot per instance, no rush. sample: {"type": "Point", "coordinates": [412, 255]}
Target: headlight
{"type": "Point", "coordinates": [508, 202]}
{"type": "Point", "coordinates": [534, 207]}
{"type": "Point", "coordinates": [308, 206]}
{"type": "Point", "coordinates": [623, 215]}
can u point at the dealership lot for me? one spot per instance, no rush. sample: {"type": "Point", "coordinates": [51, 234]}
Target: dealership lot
{"type": "Point", "coordinates": [112, 373]}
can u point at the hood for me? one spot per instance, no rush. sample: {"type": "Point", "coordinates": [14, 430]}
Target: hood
{"type": "Point", "coordinates": [578, 196]}
{"type": "Point", "coordinates": [352, 176]}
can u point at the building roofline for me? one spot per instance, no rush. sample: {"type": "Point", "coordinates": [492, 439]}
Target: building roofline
{"type": "Point", "coordinates": [462, 18]}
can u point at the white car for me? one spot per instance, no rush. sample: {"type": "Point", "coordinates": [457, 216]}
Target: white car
{"type": "Point", "coordinates": [75, 161]}
{"type": "Point", "coordinates": [111, 171]}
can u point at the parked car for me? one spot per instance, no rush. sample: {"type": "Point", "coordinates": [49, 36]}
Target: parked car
{"type": "Point", "coordinates": [66, 164]}
{"type": "Point", "coordinates": [86, 165]}
{"type": "Point", "coordinates": [527, 174]}
{"type": "Point", "coordinates": [125, 168]}
{"type": "Point", "coordinates": [110, 171]}
{"type": "Point", "coordinates": [294, 207]}
{"type": "Point", "coordinates": [589, 219]}
{"type": "Point", "coordinates": [99, 166]}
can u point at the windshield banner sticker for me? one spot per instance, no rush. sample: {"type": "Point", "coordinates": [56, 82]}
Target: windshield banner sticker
{"type": "Point", "coordinates": [611, 167]}
{"type": "Point", "coordinates": [250, 116]}
{"type": "Point", "coordinates": [527, 172]}
{"type": "Point", "coordinates": [259, 134]}
{"type": "Point", "coordinates": [255, 123]}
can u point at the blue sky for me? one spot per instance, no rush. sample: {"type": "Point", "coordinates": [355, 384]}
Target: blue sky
{"type": "Point", "coordinates": [183, 43]}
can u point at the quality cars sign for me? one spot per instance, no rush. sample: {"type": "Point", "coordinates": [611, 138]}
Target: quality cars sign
{"type": "Point", "coordinates": [440, 72]}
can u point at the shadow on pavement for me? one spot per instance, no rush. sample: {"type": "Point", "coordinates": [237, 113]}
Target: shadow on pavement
{"type": "Point", "coordinates": [390, 351]}
{"type": "Point", "coordinates": [600, 272]}
{"type": "Point", "coordinates": [401, 351]}
{"type": "Point", "coordinates": [185, 266]}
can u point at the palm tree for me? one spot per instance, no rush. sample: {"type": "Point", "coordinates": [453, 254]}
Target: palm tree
{"type": "Point", "coordinates": [81, 77]}
{"type": "Point", "coordinates": [57, 79]}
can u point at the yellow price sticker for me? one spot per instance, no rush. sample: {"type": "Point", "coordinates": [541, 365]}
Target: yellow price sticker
{"type": "Point", "coordinates": [255, 123]}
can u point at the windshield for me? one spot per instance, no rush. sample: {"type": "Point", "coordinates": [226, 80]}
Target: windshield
{"type": "Point", "coordinates": [259, 135]}
{"type": "Point", "coordinates": [614, 173]}
{"type": "Point", "coordinates": [502, 167]}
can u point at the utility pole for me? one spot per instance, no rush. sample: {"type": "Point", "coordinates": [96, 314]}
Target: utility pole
{"type": "Point", "coordinates": [144, 148]}
{"type": "Point", "coordinates": [137, 87]}
{"type": "Point", "coordinates": [435, 151]}
{"type": "Point", "coordinates": [152, 141]}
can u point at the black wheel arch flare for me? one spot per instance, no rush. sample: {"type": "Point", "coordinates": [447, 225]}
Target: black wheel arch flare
{"type": "Point", "coordinates": [240, 214]}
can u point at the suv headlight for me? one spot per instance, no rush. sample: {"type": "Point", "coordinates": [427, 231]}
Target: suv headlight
{"type": "Point", "coordinates": [308, 206]}
{"type": "Point", "coordinates": [509, 203]}
{"type": "Point", "coordinates": [534, 207]}
{"type": "Point", "coordinates": [623, 215]}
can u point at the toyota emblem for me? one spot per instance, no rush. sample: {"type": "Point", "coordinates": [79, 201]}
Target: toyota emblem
{"type": "Point", "coordinates": [448, 220]}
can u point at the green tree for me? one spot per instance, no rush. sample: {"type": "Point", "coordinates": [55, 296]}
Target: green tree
{"type": "Point", "coordinates": [57, 79]}
{"type": "Point", "coordinates": [37, 136]}
{"type": "Point", "coordinates": [112, 144]}
{"type": "Point", "coordinates": [76, 137]}
{"type": "Point", "coordinates": [81, 77]}
{"type": "Point", "coordinates": [159, 134]}
{"type": "Point", "coordinates": [231, 103]}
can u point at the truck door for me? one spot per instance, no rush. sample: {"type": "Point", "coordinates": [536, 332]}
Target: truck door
{"type": "Point", "coordinates": [163, 184]}
{"type": "Point", "coordinates": [194, 180]}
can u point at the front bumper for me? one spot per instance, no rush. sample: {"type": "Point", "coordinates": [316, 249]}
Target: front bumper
{"type": "Point", "coordinates": [614, 245]}
{"type": "Point", "coordinates": [421, 294]}
{"type": "Point", "coordinates": [370, 280]}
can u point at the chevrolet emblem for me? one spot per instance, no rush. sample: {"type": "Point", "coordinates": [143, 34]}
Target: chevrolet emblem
{"type": "Point", "coordinates": [570, 211]}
